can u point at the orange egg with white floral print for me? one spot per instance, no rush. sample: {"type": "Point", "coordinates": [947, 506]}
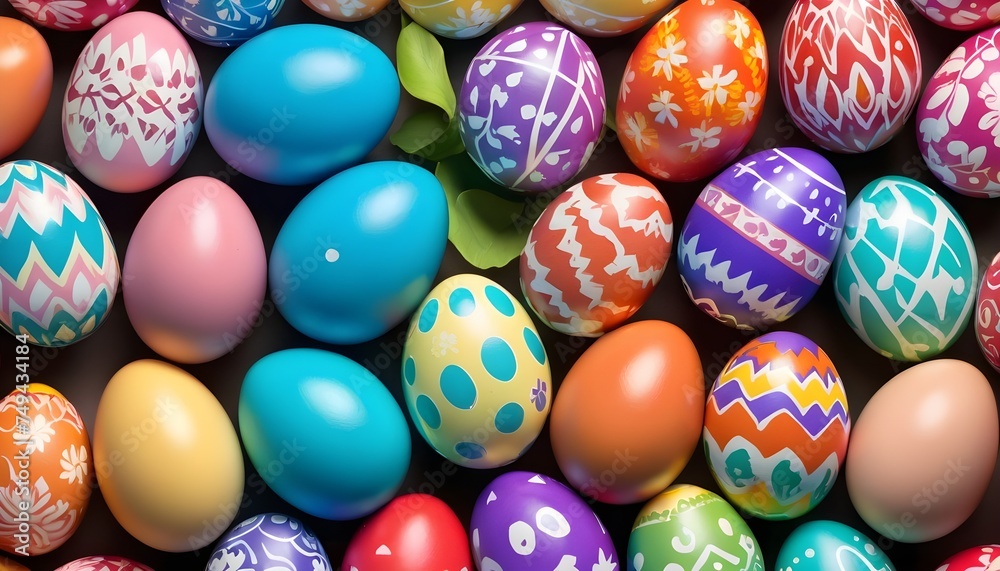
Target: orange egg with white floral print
{"type": "Point", "coordinates": [47, 470]}
{"type": "Point", "coordinates": [693, 90]}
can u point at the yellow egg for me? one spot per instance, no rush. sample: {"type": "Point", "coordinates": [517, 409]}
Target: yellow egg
{"type": "Point", "coordinates": [475, 374]}
{"type": "Point", "coordinates": [347, 10]}
{"type": "Point", "coordinates": [168, 460]}
{"type": "Point", "coordinates": [605, 17]}
{"type": "Point", "coordinates": [45, 460]}
{"type": "Point", "coordinates": [459, 19]}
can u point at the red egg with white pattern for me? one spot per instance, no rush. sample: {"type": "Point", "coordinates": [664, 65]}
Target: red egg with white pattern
{"type": "Point", "coordinates": [982, 558]}
{"type": "Point", "coordinates": [849, 72]}
{"type": "Point", "coordinates": [988, 314]}
{"type": "Point", "coordinates": [103, 563]}
{"type": "Point", "coordinates": [596, 254]}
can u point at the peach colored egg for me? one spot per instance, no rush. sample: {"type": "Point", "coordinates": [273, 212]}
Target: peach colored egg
{"type": "Point", "coordinates": [26, 80]}
{"type": "Point", "coordinates": [604, 18]}
{"type": "Point", "coordinates": [459, 19]}
{"type": "Point", "coordinates": [347, 10]}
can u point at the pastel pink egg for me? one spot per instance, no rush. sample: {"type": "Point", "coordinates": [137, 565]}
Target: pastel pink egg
{"type": "Point", "coordinates": [103, 563]}
{"type": "Point", "coordinates": [196, 272]}
{"type": "Point", "coordinates": [72, 15]}
{"type": "Point", "coordinates": [965, 15]}
{"type": "Point", "coordinates": [133, 106]}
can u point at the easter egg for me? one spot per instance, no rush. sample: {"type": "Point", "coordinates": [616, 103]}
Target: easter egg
{"type": "Point", "coordinates": [332, 442]}
{"type": "Point", "coordinates": [923, 486]}
{"type": "Point", "coordinates": [525, 520]}
{"type": "Point", "coordinates": [132, 109]}
{"type": "Point", "coordinates": [693, 90]}
{"type": "Point", "coordinates": [7, 564]}
{"type": "Point", "coordinates": [475, 374]}
{"type": "Point", "coordinates": [531, 108]}
{"type": "Point", "coordinates": [964, 15]}
{"type": "Point", "coordinates": [347, 10]}
{"type": "Point", "coordinates": [905, 275]}
{"type": "Point", "coordinates": [223, 23]}
{"type": "Point", "coordinates": [958, 119]}
{"type": "Point", "coordinates": [687, 527]}
{"type": "Point", "coordinates": [158, 428]}
{"type": "Point", "coordinates": [628, 415]}
{"type": "Point", "coordinates": [459, 19]}
{"type": "Point", "coordinates": [26, 77]}
{"type": "Point", "coordinates": [849, 72]}
{"type": "Point", "coordinates": [760, 238]}
{"type": "Point", "coordinates": [269, 541]}
{"type": "Point", "coordinates": [48, 459]}
{"type": "Point", "coordinates": [821, 545]}
{"type": "Point", "coordinates": [973, 559]}
{"type": "Point", "coordinates": [381, 224]}
{"type": "Point", "coordinates": [416, 532]}
{"type": "Point", "coordinates": [596, 253]}
{"type": "Point", "coordinates": [988, 314]}
{"type": "Point", "coordinates": [299, 103]}
{"type": "Point", "coordinates": [777, 426]}
{"type": "Point", "coordinates": [72, 16]}
{"type": "Point", "coordinates": [197, 272]}
{"type": "Point", "coordinates": [103, 563]}
{"type": "Point", "coordinates": [604, 18]}
{"type": "Point", "coordinates": [59, 271]}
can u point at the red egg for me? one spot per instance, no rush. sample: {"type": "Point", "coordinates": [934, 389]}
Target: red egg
{"type": "Point", "coordinates": [982, 558]}
{"type": "Point", "coordinates": [416, 532]}
{"type": "Point", "coordinates": [693, 90]}
{"type": "Point", "coordinates": [849, 72]}
{"type": "Point", "coordinates": [988, 314]}
{"type": "Point", "coordinates": [596, 253]}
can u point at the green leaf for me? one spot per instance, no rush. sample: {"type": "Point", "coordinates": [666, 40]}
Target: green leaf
{"type": "Point", "coordinates": [490, 231]}
{"type": "Point", "coordinates": [430, 135]}
{"type": "Point", "coordinates": [404, 18]}
{"type": "Point", "coordinates": [609, 119]}
{"type": "Point", "coordinates": [422, 69]}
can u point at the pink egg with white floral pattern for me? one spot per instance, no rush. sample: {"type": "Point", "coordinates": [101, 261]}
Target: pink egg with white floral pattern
{"type": "Point", "coordinates": [958, 118]}
{"type": "Point", "coordinates": [133, 106]}
{"type": "Point", "coordinates": [965, 15]}
{"type": "Point", "coordinates": [103, 563]}
{"type": "Point", "coordinates": [988, 314]}
{"type": "Point", "coordinates": [72, 15]}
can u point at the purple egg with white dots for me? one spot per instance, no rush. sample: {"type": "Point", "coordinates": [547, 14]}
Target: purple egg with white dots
{"type": "Point", "coordinates": [270, 541]}
{"type": "Point", "coordinates": [760, 238]}
{"type": "Point", "coordinates": [532, 107]}
{"type": "Point", "coordinates": [525, 520]}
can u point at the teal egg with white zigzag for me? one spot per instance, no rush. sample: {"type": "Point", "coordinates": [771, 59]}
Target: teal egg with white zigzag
{"type": "Point", "coordinates": [59, 271]}
{"type": "Point", "coordinates": [906, 273]}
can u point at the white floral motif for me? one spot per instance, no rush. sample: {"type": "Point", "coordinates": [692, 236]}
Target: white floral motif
{"type": "Point", "coordinates": [74, 464]}
{"type": "Point", "coordinates": [703, 137]}
{"type": "Point", "coordinates": [350, 7]}
{"type": "Point", "coordinates": [40, 432]}
{"type": "Point", "coordinates": [989, 92]}
{"type": "Point", "coordinates": [669, 57]}
{"type": "Point", "coordinates": [227, 561]}
{"type": "Point", "coordinates": [626, 83]}
{"type": "Point", "coordinates": [664, 107]}
{"type": "Point", "coordinates": [444, 343]}
{"type": "Point", "coordinates": [60, 14]}
{"type": "Point", "coordinates": [748, 107]}
{"type": "Point", "coordinates": [741, 26]}
{"type": "Point", "coordinates": [715, 85]}
{"type": "Point", "coordinates": [472, 22]}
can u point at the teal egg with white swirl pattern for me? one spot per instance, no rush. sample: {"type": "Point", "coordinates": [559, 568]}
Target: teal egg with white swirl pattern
{"type": "Point", "coordinates": [906, 272]}
{"type": "Point", "coordinates": [59, 270]}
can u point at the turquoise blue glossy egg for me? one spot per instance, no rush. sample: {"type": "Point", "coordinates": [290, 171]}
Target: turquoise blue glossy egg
{"type": "Point", "coordinates": [323, 433]}
{"type": "Point", "coordinates": [299, 103]}
{"type": "Point", "coordinates": [360, 252]}
{"type": "Point", "coordinates": [59, 271]}
{"type": "Point", "coordinates": [222, 23]}
{"type": "Point", "coordinates": [906, 273]}
{"type": "Point", "coordinates": [822, 545]}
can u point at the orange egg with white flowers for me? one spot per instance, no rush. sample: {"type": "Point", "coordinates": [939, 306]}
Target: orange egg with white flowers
{"type": "Point", "coordinates": [693, 90]}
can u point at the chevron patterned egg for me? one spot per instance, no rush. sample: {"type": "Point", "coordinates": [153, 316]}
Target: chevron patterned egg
{"type": "Point", "coordinates": [982, 558]}
{"type": "Point", "coordinates": [964, 15]}
{"type": "Point", "coordinates": [760, 238]}
{"type": "Point", "coordinates": [532, 107]}
{"type": "Point", "coordinates": [849, 72]}
{"type": "Point", "coordinates": [604, 18]}
{"type": "Point", "coordinates": [906, 273]}
{"type": "Point", "coordinates": [596, 254]}
{"type": "Point", "coordinates": [475, 374]}
{"type": "Point", "coordinates": [777, 426]}
{"type": "Point", "coordinates": [59, 271]}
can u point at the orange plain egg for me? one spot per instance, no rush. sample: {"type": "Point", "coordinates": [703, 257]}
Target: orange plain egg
{"type": "Point", "coordinates": [25, 82]}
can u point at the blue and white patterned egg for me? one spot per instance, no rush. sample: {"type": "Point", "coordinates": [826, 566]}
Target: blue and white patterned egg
{"type": "Point", "coordinates": [761, 237]}
{"type": "Point", "coordinates": [58, 267]}
{"type": "Point", "coordinates": [222, 23]}
{"type": "Point", "coordinates": [532, 107]}
{"type": "Point", "coordinates": [475, 374]}
{"type": "Point", "coordinates": [270, 541]}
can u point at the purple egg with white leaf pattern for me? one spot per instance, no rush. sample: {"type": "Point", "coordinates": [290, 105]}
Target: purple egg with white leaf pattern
{"type": "Point", "coordinates": [524, 520]}
{"type": "Point", "coordinates": [270, 541]}
{"type": "Point", "coordinates": [532, 106]}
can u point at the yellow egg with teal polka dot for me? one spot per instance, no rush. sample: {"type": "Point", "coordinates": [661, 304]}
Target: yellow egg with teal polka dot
{"type": "Point", "coordinates": [475, 374]}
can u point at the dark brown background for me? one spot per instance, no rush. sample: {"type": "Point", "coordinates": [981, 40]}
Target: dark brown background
{"type": "Point", "coordinates": [82, 370]}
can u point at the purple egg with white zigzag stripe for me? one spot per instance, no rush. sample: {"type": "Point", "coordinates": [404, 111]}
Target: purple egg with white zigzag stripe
{"type": "Point", "coordinates": [532, 107]}
{"type": "Point", "coordinates": [760, 239]}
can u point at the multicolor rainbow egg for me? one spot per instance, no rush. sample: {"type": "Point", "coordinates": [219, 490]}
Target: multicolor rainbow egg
{"type": "Point", "coordinates": [777, 426]}
{"type": "Point", "coordinates": [58, 267]}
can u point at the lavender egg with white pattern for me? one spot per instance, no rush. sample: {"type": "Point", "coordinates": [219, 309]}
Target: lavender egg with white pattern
{"type": "Point", "coordinates": [760, 238]}
{"type": "Point", "coordinates": [270, 541]}
{"type": "Point", "coordinates": [532, 106]}
{"type": "Point", "coordinates": [524, 520]}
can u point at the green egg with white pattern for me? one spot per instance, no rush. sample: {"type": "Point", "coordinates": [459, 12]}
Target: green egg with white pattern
{"type": "Point", "coordinates": [906, 272]}
{"type": "Point", "coordinates": [823, 545]}
{"type": "Point", "coordinates": [475, 373]}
